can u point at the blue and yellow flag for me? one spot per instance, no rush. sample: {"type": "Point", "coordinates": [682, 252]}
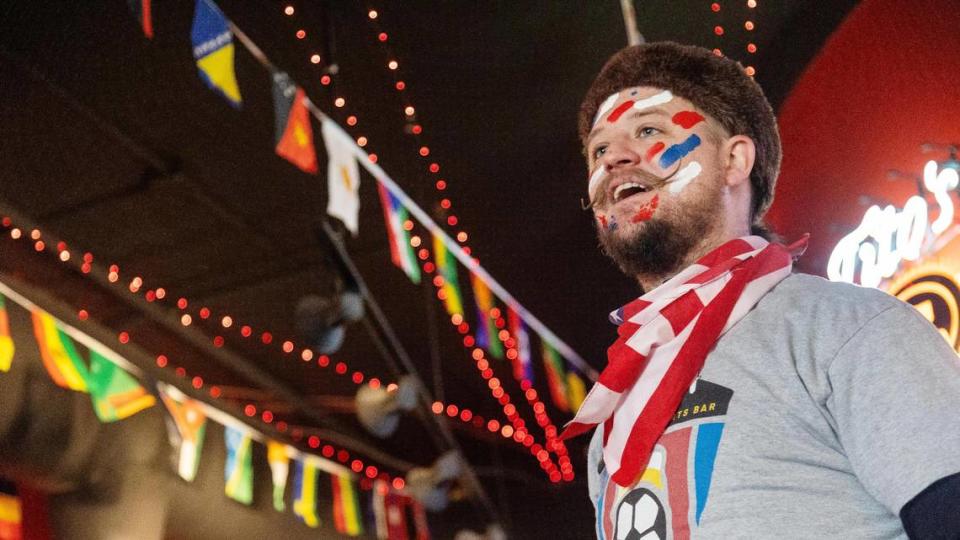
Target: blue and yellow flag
{"type": "Point", "coordinates": [305, 493]}
{"type": "Point", "coordinates": [238, 472]}
{"type": "Point", "coordinates": [213, 50]}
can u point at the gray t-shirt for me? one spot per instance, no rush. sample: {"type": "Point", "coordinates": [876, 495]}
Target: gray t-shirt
{"type": "Point", "coordinates": [819, 415]}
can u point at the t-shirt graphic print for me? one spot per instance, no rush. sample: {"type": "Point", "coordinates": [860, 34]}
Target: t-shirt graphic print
{"type": "Point", "coordinates": [671, 494]}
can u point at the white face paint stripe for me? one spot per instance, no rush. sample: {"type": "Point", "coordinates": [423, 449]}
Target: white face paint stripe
{"type": "Point", "coordinates": [686, 174]}
{"type": "Point", "coordinates": [605, 107]}
{"type": "Point", "coordinates": [595, 179]}
{"type": "Point", "coordinates": [653, 101]}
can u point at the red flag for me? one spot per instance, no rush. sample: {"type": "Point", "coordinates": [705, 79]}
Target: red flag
{"type": "Point", "coordinates": [296, 144]}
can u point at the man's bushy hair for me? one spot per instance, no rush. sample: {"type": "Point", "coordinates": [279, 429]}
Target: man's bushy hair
{"type": "Point", "coordinates": [716, 85]}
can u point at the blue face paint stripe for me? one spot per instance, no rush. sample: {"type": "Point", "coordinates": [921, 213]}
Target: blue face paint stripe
{"type": "Point", "coordinates": [708, 439]}
{"type": "Point", "coordinates": [677, 151]}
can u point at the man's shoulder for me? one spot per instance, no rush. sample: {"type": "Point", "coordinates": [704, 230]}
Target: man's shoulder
{"type": "Point", "coordinates": [831, 310]}
{"type": "Point", "coordinates": [806, 291]}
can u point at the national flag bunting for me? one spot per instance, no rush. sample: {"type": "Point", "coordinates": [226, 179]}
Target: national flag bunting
{"type": "Point", "coordinates": [238, 470]}
{"type": "Point", "coordinates": [556, 377]}
{"type": "Point", "coordinates": [305, 493]}
{"type": "Point", "coordinates": [576, 390]}
{"type": "Point", "coordinates": [420, 524]}
{"type": "Point", "coordinates": [6, 342]}
{"type": "Point", "coordinates": [394, 217]}
{"type": "Point", "coordinates": [143, 11]}
{"type": "Point", "coordinates": [116, 394]}
{"type": "Point", "coordinates": [293, 135]}
{"type": "Point", "coordinates": [487, 332]}
{"type": "Point", "coordinates": [58, 352]}
{"type": "Point", "coordinates": [279, 462]}
{"type": "Point", "coordinates": [11, 512]}
{"type": "Point", "coordinates": [213, 50]}
{"type": "Point", "coordinates": [187, 426]}
{"type": "Point", "coordinates": [447, 269]}
{"type": "Point", "coordinates": [389, 513]}
{"type": "Point", "coordinates": [343, 175]}
{"type": "Point", "coordinates": [522, 364]}
{"type": "Point", "coordinates": [346, 506]}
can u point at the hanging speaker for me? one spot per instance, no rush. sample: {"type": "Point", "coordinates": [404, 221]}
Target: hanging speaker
{"type": "Point", "coordinates": [320, 324]}
{"type": "Point", "coordinates": [379, 410]}
{"type": "Point", "coordinates": [431, 485]}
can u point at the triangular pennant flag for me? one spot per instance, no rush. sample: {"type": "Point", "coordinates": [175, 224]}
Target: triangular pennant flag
{"type": "Point", "coordinates": [420, 523]}
{"type": "Point", "coordinates": [187, 426]}
{"type": "Point", "coordinates": [522, 365]}
{"type": "Point", "coordinates": [556, 377]}
{"type": "Point", "coordinates": [395, 216]}
{"type": "Point", "coordinates": [486, 324]}
{"type": "Point", "coordinates": [143, 12]}
{"type": "Point", "coordinates": [305, 493]}
{"type": "Point", "coordinates": [346, 506]}
{"type": "Point", "coordinates": [447, 269]}
{"type": "Point", "coordinates": [6, 342]}
{"type": "Point", "coordinates": [213, 50]}
{"type": "Point", "coordinates": [292, 132]}
{"type": "Point", "coordinates": [11, 512]}
{"type": "Point", "coordinates": [116, 394]}
{"type": "Point", "coordinates": [59, 354]}
{"type": "Point", "coordinates": [279, 469]}
{"type": "Point", "coordinates": [238, 469]}
{"type": "Point", "coordinates": [389, 513]}
{"type": "Point", "coordinates": [343, 176]}
{"type": "Point", "coordinates": [576, 390]}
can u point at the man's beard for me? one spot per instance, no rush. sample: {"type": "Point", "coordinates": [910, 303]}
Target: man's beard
{"type": "Point", "coordinates": [661, 245]}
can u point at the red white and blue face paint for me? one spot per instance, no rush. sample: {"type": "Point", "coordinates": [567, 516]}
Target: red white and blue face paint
{"type": "Point", "coordinates": [661, 140]}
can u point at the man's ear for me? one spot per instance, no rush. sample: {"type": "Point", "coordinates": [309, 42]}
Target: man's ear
{"type": "Point", "coordinates": [738, 154]}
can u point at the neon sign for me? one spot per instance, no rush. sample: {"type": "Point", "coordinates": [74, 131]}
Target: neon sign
{"type": "Point", "coordinates": [887, 236]}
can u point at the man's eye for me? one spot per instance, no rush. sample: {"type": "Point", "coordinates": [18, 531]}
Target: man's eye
{"type": "Point", "coordinates": [647, 131]}
{"type": "Point", "coordinates": [598, 151]}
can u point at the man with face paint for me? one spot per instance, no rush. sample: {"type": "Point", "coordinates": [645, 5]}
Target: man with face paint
{"type": "Point", "coordinates": [741, 399]}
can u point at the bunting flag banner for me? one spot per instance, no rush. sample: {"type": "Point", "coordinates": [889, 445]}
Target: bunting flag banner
{"type": "Point", "coordinates": [401, 252]}
{"type": "Point", "coordinates": [343, 176]}
{"type": "Point", "coordinates": [346, 506]}
{"type": "Point", "coordinates": [116, 394]}
{"type": "Point", "coordinates": [556, 377]}
{"type": "Point", "coordinates": [189, 426]}
{"type": "Point", "coordinates": [522, 364]}
{"type": "Point", "coordinates": [11, 513]}
{"type": "Point", "coordinates": [238, 470]}
{"type": "Point", "coordinates": [59, 354]}
{"type": "Point", "coordinates": [487, 332]}
{"type": "Point", "coordinates": [143, 12]}
{"type": "Point", "coordinates": [576, 390]}
{"type": "Point", "coordinates": [447, 268]}
{"type": "Point", "coordinates": [389, 513]}
{"type": "Point", "coordinates": [305, 493]}
{"type": "Point", "coordinates": [420, 524]}
{"type": "Point", "coordinates": [6, 342]}
{"type": "Point", "coordinates": [292, 131]}
{"type": "Point", "coordinates": [213, 50]}
{"type": "Point", "coordinates": [279, 469]}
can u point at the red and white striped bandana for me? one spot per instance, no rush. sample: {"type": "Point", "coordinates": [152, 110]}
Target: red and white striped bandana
{"type": "Point", "coordinates": [665, 337]}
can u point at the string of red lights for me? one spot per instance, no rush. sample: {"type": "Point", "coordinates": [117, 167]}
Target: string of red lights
{"type": "Point", "coordinates": [749, 25]}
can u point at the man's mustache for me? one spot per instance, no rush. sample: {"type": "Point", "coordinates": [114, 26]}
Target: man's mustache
{"type": "Point", "coordinates": [648, 179]}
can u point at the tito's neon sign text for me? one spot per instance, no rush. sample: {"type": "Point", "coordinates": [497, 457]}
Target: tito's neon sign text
{"type": "Point", "coordinates": [886, 236]}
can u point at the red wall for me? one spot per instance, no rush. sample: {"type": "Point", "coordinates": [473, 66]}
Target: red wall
{"type": "Point", "coordinates": [887, 81]}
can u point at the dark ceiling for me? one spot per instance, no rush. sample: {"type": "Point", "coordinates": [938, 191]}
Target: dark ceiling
{"type": "Point", "coordinates": [112, 143]}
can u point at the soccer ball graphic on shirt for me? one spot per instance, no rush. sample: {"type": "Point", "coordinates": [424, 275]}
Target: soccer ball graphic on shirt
{"type": "Point", "coordinates": [640, 516]}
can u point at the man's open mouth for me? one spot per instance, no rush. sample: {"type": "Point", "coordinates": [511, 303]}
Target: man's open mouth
{"type": "Point", "coordinates": [628, 189]}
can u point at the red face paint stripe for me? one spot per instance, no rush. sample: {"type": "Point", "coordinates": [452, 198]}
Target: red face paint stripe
{"type": "Point", "coordinates": [646, 211]}
{"type": "Point", "coordinates": [687, 119]}
{"type": "Point", "coordinates": [603, 221]}
{"type": "Point", "coordinates": [624, 107]}
{"type": "Point", "coordinates": [654, 150]}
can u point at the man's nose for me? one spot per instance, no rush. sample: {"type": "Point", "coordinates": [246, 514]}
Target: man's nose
{"type": "Point", "coordinates": [619, 155]}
